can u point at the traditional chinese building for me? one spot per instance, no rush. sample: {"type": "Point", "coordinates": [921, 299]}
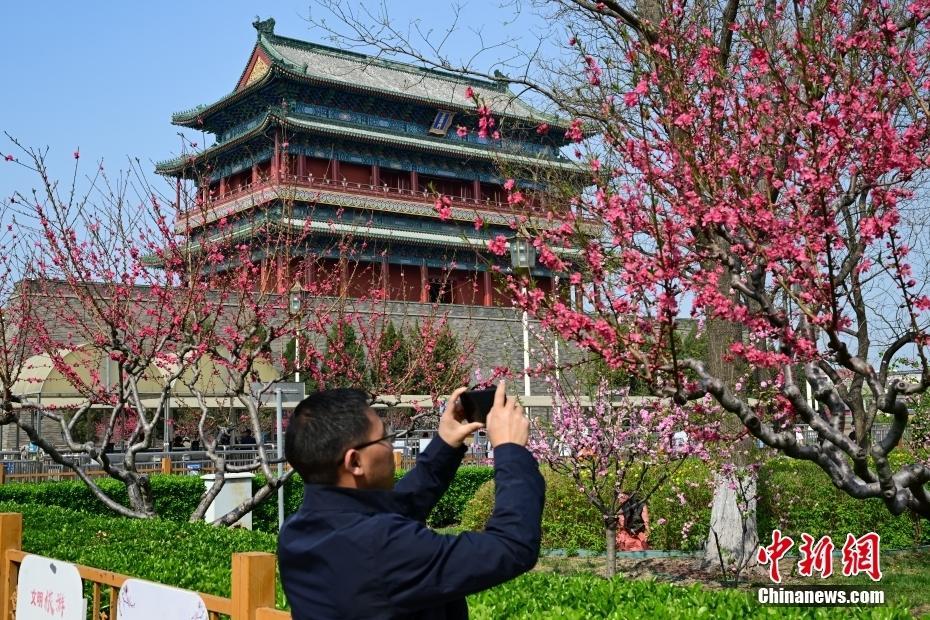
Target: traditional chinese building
{"type": "Point", "coordinates": [363, 146]}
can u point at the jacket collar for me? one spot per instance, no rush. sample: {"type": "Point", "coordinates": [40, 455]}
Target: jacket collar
{"type": "Point", "coordinates": [325, 498]}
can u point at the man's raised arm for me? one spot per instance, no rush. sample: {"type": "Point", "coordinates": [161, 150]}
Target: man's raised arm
{"type": "Point", "coordinates": [436, 466]}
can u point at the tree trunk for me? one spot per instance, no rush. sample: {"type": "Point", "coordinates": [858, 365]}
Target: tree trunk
{"type": "Point", "coordinates": [139, 492]}
{"type": "Point", "coordinates": [611, 534]}
{"type": "Point", "coordinates": [735, 529]}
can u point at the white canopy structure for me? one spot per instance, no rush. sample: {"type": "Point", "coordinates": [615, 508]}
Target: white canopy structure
{"type": "Point", "coordinates": [44, 384]}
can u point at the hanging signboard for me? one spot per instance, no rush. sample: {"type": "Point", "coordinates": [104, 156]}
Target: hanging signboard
{"type": "Point", "coordinates": [144, 600]}
{"type": "Point", "coordinates": [49, 589]}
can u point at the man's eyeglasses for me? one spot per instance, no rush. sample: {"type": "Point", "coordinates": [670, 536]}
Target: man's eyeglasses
{"type": "Point", "coordinates": [390, 437]}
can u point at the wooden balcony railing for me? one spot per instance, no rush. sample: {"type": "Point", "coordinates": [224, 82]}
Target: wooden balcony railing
{"type": "Point", "coordinates": [367, 189]}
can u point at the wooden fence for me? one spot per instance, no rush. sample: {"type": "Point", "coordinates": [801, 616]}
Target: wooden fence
{"type": "Point", "coordinates": [253, 582]}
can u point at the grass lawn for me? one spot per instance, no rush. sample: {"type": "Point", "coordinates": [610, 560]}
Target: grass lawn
{"type": "Point", "coordinates": [905, 574]}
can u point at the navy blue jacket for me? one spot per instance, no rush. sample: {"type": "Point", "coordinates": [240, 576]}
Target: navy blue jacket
{"type": "Point", "coordinates": [350, 553]}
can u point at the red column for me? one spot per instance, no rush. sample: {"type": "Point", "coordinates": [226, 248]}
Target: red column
{"type": "Point", "coordinates": [343, 276]}
{"type": "Point", "coordinates": [309, 271]}
{"type": "Point", "coordinates": [376, 175]}
{"type": "Point", "coordinates": [281, 269]}
{"type": "Point", "coordinates": [385, 282]}
{"type": "Point", "coordinates": [177, 191]}
{"type": "Point", "coordinates": [222, 187]}
{"type": "Point", "coordinates": [301, 166]}
{"type": "Point", "coordinates": [276, 156]}
{"type": "Point", "coordinates": [335, 168]}
{"type": "Point", "coordinates": [414, 181]}
{"type": "Point", "coordinates": [476, 189]}
{"type": "Point", "coordinates": [254, 174]}
{"type": "Point", "coordinates": [487, 288]}
{"type": "Point", "coordinates": [263, 275]}
{"type": "Point", "coordinates": [424, 286]}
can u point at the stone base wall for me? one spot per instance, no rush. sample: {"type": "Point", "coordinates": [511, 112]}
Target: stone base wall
{"type": "Point", "coordinates": [497, 333]}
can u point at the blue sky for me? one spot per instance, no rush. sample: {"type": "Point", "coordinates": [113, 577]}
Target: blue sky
{"type": "Point", "coordinates": [105, 77]}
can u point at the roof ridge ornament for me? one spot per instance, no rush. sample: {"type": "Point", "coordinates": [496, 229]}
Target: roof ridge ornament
{"type": "Point", "coordinates": [264, 27]}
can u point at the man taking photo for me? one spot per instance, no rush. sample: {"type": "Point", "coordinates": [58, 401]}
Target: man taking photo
{"type": "Point", "coordinates": [358, 547]}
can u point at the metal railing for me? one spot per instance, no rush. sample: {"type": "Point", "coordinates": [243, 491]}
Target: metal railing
{"type": "Point", "coordinates": [40, 468]}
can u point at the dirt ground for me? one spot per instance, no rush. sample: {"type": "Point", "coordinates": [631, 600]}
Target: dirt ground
{"type": "Point", "coordinates": [678, 570]}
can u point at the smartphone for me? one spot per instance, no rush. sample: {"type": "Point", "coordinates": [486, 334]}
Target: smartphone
{"type": "Point", "coordinates": [477, 404]}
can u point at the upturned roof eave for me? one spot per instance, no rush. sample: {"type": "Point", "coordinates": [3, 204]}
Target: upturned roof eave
{"type": "Point", "coordinates": [279, 66]}
{"type": "Point", "coordinates": [177, 165]}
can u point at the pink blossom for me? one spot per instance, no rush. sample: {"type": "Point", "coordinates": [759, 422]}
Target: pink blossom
{"type": "Point", "coordinates": [574, 132]}
{"type": "Point", "coordinates": [461, 131]}
{"type": "Point", "coordinates": [469, 92]}
{"type": "Point", "coordinates": [498, 245]}
{"type": "Point", "coordinates": [443, 206]}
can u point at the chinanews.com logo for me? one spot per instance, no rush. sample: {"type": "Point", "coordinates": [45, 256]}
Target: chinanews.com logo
{"type": "Point", "coordinates": [859, 556]}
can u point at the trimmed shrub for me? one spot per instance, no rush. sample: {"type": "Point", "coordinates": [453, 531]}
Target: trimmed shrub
{"type": "Point", "coordinates": [679, 510]}
{"type": "Point", "coordinates": [177, 496]}
{"type": "Point", "coordinates": [549, 596]}
{"type": "Point", "coordinates": [797, 496]}
{"type": "Point", "coordinates": [195, 556]}
{"type": "Point", "coordinates": [468, 480]}
{"type": "Point", "coordinates": [448, 510]}
{"type": "Point", "coordinates": [571, 522]}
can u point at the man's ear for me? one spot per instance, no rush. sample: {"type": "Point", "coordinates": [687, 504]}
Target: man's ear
{"type": "Point", "coordinates": [352, 462]}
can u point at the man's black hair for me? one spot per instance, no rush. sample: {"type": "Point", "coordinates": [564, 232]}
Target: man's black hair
{"type": "Point", "coordinates": [322, 427]}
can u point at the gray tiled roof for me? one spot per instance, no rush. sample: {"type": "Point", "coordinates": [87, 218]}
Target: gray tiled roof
{"type": "Point", "coordinates": [378, 74]}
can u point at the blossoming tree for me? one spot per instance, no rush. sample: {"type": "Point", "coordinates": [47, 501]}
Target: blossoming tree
{"type": "Point", "coordinates": [102, 287]}
{"type": "Point", "coordinates": [616, 449]}
{"type": "Point", "coordinates": [756, 168]}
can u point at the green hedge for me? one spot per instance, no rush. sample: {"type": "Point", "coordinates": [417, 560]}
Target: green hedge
{"type": "Point", "coordinates": [177, 496]}
{"type": "Point", "coordinates": [571, 522]}
{"type": "Point", "coordinates": [797, 496]}
{"type": "Point", "coordinates": [196, 556]}
{"type": "Point", "coordinates": [548, 596]}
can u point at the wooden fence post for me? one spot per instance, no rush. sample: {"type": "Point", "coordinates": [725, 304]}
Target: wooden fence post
{"type": "Point", "coordinates": [253, 581]}
{"type": "Point", "coordinates": [166, 464]}
{"type": "Point", "coordinates": [11, 537]}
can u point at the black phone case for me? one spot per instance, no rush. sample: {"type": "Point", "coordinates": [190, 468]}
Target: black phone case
{"type": "Point", "coordinates": [477, 404]}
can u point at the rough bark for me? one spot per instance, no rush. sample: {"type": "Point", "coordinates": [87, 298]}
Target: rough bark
{"type": "Point", "coordinates": [737, 536]}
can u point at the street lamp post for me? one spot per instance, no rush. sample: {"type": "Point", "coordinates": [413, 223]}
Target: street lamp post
{"type": "Point", "coordinates": [296, 303]}
{"type": "Point", "coordinates": [523, 256]}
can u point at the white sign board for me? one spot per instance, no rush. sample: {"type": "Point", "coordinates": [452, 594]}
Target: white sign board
{"type": "Point", "coordinates": [144, 600]}
{"type": "Point", "coordinates": [291, 393]}
{"type": "Point", "coordinates": [49, 589]}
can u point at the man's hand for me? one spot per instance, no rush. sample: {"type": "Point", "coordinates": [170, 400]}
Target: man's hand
{"type": "Point", "coordinates": [452, 430]}
{"type": "Point", "coordinates": [506, 422]}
